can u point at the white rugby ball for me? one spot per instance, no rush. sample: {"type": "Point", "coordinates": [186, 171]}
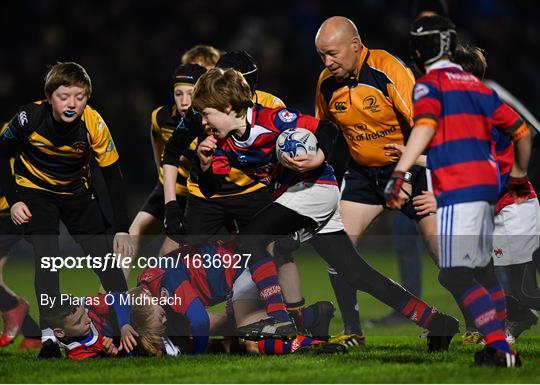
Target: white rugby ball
{"type": "Point", "coordinates": [296, 141]}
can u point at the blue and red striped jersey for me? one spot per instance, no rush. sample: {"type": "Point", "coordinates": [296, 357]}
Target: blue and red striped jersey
{"type": "Point", "coordinates": [90, 345]}
{"type": "Point", "coordinates": [206, 272]}
{"type": "Point", "coordinates": [461, 154]}
{"type": "Point", "coordinates": [255, 152]}
{"type": "Point", "coordinates": [203, 279]}
{"type": "Point", "coordinates": [504, 155]}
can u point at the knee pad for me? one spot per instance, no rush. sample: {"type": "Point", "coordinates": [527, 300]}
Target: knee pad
{"type": "Point", "coordinates": [286, 246]}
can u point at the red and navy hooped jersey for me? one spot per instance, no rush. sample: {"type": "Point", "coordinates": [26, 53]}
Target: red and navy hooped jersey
{"type": "Point", "coordinates": [463, 112]}
{"type": "Point", "coordinates": [195, 285]}
{"type": "Point", "coordinates": [255, 152]}
{"type": "Point", "coordinates": [504, 155]}
{"type": "Point", "coordinates": [91, 345]}
{"type": "Point", "coordinates": [199, 276]}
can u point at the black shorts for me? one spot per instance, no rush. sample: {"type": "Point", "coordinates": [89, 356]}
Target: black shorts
{"type": "Point", "coordinates": [81, 213]}
{"type": "Point", "coordinates": [10, 233]}
{"type": "Point", "coordinates": [366, 185]}
{"type": "Point", "coordinates": [155, 203]}
{"type": "Point", "coordinates": [225, 214]}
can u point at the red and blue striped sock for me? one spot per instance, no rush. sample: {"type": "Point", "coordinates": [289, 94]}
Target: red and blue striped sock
{"type": "Point", "coordinates": [498, 297]}
{"type": "Point", "coordinates": [478, 304]}
{"type": "Point", "coordinates": [268, 347]}
{"type": "Point", "coordinates": [418, 311]}
{"type": "Point", "coordinates": [264, 274]}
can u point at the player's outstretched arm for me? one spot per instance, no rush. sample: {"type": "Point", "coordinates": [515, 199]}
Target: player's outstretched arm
{"type": "Point", "coordinates": [420, 137]}
{"type": "Point", "coordinates": [189, 128]}
{"type": "Point", "coordinates": [417, 143]}
{"type": "Point", "coordinates": [173, 222]}
{"type": "Point", "coordinates": [519, 184]}
{"type": "Point", "coordinates": [522, 154]}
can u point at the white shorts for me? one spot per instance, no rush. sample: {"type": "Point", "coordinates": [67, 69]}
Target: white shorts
{"type": "Point", "coordinates": [517, 228]}
{"type": "Point", "coordinates": [244, 287]}
{"type": "Point", "coordinates": [334, 224]}
{"type": "Point", "coordinates": [319, 202]}
{"type": "Point", "coordinates": [465, 234]}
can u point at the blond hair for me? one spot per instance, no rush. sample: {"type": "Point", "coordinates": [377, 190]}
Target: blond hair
{"type": "Point", "coordinates": [149, 340]}
{"type": "Point", "coordinates": [219, 89]}
{"type": "Point", "coordinates": [67, 74]}
{"type": "Point", "coordinates": [205, 55]}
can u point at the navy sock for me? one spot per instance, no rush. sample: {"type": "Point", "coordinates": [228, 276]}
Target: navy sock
{"type": "Point", "coordinates": [347, 302]}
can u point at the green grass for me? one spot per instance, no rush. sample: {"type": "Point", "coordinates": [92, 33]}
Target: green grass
{"type": "Point", "coordinates": [393, 355]}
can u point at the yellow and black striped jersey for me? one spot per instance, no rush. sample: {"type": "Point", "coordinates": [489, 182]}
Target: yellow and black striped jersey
{"type": "Point", "coordinates": [165, 119]}
{"type": "Point", "coordinates": [373, 109]}
{"type": "Point", "coordinates": [3, 201]}
{"type": "Point", "coordinates": [238, 183]}
{"type": "Point", "coordinates": [53, 156]}
{"type": "Point", "coordinates": [267, 100]}
{"type": "Point", "coordinates": [4, 205]}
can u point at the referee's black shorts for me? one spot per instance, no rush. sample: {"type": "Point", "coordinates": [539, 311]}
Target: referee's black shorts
{"type": "Point", "coordinates": [366, 185]}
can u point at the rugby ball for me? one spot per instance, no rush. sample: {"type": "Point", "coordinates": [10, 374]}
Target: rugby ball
{"type": "Point", "coordinates": [296, 141]}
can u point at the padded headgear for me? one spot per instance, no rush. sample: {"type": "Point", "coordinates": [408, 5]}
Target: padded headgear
{"type": "Point", "coordinates": [187, 74]}
{"type": "Point", "coordinates": [244, 63]}
{"type": "Point", "coordinates": [432, 37]}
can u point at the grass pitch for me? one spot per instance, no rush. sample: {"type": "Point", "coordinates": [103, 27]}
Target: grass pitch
{"type": "Point", "coordinates": [392, 355]}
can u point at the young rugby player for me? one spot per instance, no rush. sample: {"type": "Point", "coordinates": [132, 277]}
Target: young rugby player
{"type": "Point", "coordinates": [52, 141]}
{"type": "Point", "coordinates": [164, 121]}
{"type": "Point", "coordinates": [454, 116]}
{"type": "Point", "coordinates": [306, 195]}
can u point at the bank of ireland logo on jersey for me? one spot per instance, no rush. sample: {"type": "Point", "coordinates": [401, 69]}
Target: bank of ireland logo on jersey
{"type": "Point", "coordinates": [287, 116]}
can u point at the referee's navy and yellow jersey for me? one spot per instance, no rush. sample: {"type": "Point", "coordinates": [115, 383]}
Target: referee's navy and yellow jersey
{"type": "Point", "coordinates": [164, 120]}
{"type": "Point", "coordinates": [55, 157]}
{"type": "Point", "coordinates": [238, 183]}
{"type": "Point", "coordinates": [372, 109]}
